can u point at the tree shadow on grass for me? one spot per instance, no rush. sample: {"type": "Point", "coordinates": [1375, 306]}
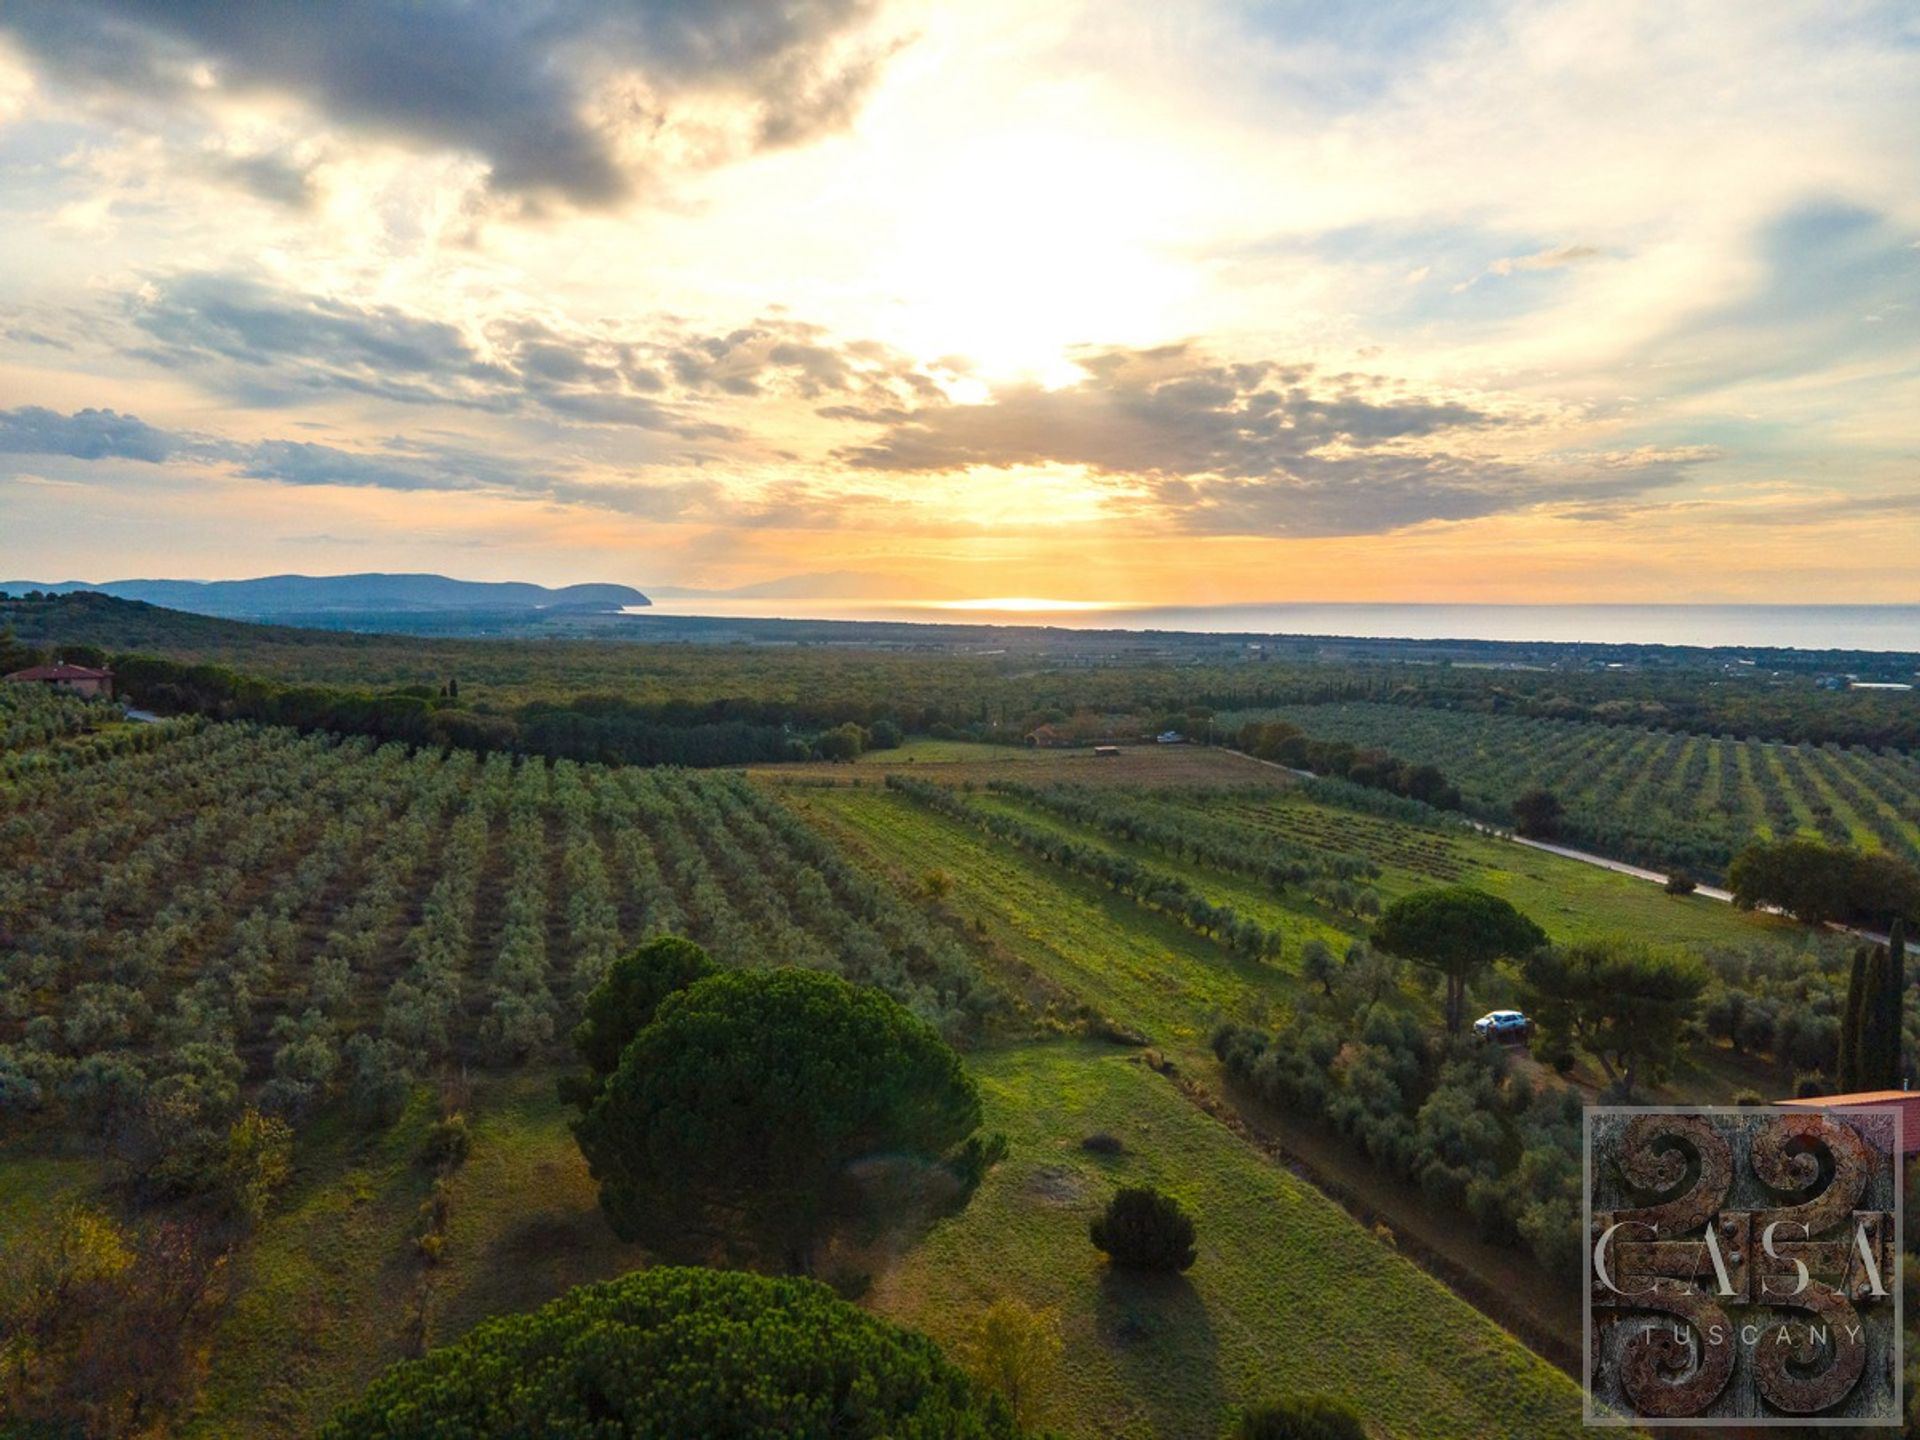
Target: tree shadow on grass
{"type": "Point", "coordinates": [1157, 1331]}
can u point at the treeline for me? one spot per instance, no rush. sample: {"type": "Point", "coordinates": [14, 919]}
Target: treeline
{"type": "Point", "coordinates": [815, 678]}
{"type": "Point", "coordinates": [1790, 709]}
{"type": "Point", "coordinates": [592, 728]}
{"type": "Point", "coordinates": [1151, 889]}
{"type": "Point", "coordinates": [1374, 769]}
{"type": "Point", "coordinates": [1825, 884]}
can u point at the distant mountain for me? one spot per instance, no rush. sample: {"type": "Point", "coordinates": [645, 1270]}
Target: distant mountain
{"type": "Point", "coordinates": [817, 585]}
{"type": "Point", "coordinates": [275, 596]}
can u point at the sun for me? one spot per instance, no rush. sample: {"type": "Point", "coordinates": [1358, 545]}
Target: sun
{"type": "Point", "coordinates": [1028, 246]}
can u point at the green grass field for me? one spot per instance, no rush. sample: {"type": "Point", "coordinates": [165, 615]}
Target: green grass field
{"type": "Point", "coordinates": [1138, 968]}
{"type": "Point", "coordinates": [1288, 1293]}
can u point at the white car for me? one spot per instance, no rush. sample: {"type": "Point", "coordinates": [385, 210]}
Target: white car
{"type": "Point", "coordinates": [1506, 1026]}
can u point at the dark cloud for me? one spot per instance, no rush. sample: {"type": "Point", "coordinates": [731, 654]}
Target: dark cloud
{"type": "Point", "coordinates": [1247, 448]}
{"type": "Point", "coordinates": [1167, 411]}
{"type": "Point", "coordinates": [1378, 493]}
{"type": "Point", "coordinates": [559, 96]}
{"type": "Point", "coordinates": [400, 464]}
{"type": "Point", "coordinates": [85, 435]}
{"type": "Point", "coordinates": [270, 347]}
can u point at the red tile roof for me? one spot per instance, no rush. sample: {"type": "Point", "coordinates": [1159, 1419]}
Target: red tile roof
{"type": "Point", "coordinates": [60, 672]}
{"type": "Point", "coordinates": [1907, 1101]}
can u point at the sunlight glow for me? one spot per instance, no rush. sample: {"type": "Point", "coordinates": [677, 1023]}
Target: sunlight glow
{"type": "Point", "coordinates": [1024, 604]}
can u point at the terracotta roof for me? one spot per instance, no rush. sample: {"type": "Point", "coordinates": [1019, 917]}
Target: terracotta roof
{"type": "Point", "coordinates": [61, 672]}
{"type": "Point", "coordinates": [1907, 1101]}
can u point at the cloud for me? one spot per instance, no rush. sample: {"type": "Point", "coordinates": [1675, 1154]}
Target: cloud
{"type": "Point", "coordinates": [1163, 411]}
{"type": "Point", "coordinates": [1260, 448]}
{"type": "Point", "coordinates": [85, 435]}
{"type": "Point", "coordinates": [1555, 259]}
{"type": "Point", "coordinates": [270, 347]}
{"type": "Point", "coordinates": [400, 464]}
{"type": "Point", "coordinates": [575, 99]}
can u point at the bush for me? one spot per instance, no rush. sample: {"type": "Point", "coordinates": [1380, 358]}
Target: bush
{"type": "Point", "coordinates": [1811, 1084]}
{"type": "Point", "coordinates": [1679, 882]}
{"type": "Point", "coordinates": [257, 1161]}
{"type": "Point", "coordinates": [1748, 1097]}
{"type": "Point", "coordinates": [1013, 1350]}
{"type": "Point", "coordinates": [1145, 1230]}
{"type": "Point", "coordinates": [774, 1358]}
{"type": "Point", "coordinates": [1309, 1417]}
{"type": "Point", "coordinates": [448, 1143]}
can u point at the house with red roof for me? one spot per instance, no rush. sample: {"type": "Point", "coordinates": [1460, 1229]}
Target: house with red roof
{"type": "Point", "coordinates": [75, 679]}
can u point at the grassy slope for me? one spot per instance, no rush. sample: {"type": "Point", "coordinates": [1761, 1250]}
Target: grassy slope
{"type": "Point", "coordinates": [1288, 1293]}
{"type": "Point", "coordinates": [323, 1294]}
{"type": "Point", "coordinates": [526, 1220]}
{"type": "Point", "coordinates": [1134, 966]}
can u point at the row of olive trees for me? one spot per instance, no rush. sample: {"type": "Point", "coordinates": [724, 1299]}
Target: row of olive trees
{"type": "Point", "coordinates": [1170, 895]}
{"type": "Point", "coordinates": [1191, 834]}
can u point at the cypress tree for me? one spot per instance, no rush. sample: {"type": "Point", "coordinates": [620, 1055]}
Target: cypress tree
{"type": "Point", "coordinates": [1877, 1044]}
{"type": "Point", "coordinates": [1849, 1067]}
{"type": "Point", "coordinates": [1867, 1047]}
{"type": "Point", "coordinates": [1894, 1000]}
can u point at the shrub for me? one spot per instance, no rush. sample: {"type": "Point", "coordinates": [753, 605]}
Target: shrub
{"type": "Point", "coordinates": [1810, 1084]}
{"type": "Point", "coordinates": [1679, 882]}
{"type": "Point", "coordinates": [1748, 1097]}
{"type": "Point", "coordinates": [1013, 1350]}
{"type": "Point", "coordinates": [256, 1163]}
{"type": "Point", "coordinates": [1308, 1417]}
{"type": "Point", "coordinates": [1145, 1230]}
{"type": "Point", "coordinates": [448, 1143]}
{"type": "Point", "coordinates": [775, 1358]}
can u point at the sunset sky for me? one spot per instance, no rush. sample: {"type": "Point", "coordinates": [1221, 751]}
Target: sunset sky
{"type": "Point", "coordinates": [1163, 302]}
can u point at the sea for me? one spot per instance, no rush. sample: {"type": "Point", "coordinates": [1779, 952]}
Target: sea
{"type": "Point", "coordinates": [1801, 627]}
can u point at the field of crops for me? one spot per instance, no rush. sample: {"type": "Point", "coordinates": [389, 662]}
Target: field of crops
{"type": "Point", "coordinates": [294, 908]}
{"type": "Point", "coordinates": [1646, 795]}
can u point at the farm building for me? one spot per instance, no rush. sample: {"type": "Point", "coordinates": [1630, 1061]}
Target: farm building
{"type": "Point", "coordinates": [76, 679]}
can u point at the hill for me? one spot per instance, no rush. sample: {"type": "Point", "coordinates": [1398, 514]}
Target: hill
{"type": "Point", "coordinates": [273, 597]}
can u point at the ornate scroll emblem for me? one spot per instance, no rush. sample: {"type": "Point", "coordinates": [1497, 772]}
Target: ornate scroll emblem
{"type": "Point", "coordinates": [1743, 1266]}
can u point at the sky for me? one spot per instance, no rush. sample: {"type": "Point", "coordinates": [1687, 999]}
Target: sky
{"type": "Point", "coordinates": [1193, 303]}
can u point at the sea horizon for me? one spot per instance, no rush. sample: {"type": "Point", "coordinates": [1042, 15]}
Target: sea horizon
{"type": "Point", "coordinates": [1884, 628]}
